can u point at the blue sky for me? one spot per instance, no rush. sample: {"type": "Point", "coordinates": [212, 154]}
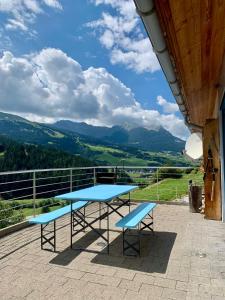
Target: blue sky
{"type": "Point", "coordinates": [101, 42]}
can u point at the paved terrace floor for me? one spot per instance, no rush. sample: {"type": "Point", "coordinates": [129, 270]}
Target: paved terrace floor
{"type": "Point", "coordinates": [170, 266]}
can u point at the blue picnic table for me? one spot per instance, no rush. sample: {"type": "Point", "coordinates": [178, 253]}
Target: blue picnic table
{"type": "Point", "coordinates": [103, 193]}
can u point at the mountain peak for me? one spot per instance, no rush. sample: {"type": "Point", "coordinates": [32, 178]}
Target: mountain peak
{"type": "Point", "coordinates": [139, 137]}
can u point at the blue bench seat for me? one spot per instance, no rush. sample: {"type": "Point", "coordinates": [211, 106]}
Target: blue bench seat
{"type": "Point", "coordinates": [56, 214]}
{"type": "Point", "coordinates": [52, 216]}
{"type": "Point", "coordinates": [133, 220]}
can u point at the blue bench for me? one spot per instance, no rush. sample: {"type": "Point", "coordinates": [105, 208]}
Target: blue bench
{"type": "Point", "coordinates": [135, 219]}
{"type": "Point", "coordinates": [52, 216]}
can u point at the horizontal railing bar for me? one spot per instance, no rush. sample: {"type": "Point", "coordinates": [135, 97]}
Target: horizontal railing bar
{"type": "Point", "coordinates": [65, 188]}
{"type": "Point", "coordinates": [93, 167]}
{"type": "Point", "coordinates": [61, 176]}
{"type": "Point", "coordinates": [21, 197]}
{"type": "Point", "coordinates": [16, 181]}
{"type": "Point", "coordinates": [83, 179]}
{"type": "Point", "coordinates": [51, 177]}
{"type": "Point", "coordinates": [26, 188]}
{"type": "Point", "coordinates": [44, 170]}
{"type": "Point", "coordinates": [142, 167]}
{"type": "Point", "coordinates": [48, 184]}
{"type": "Point", "coordinates": [81, 174]}
{"type": "Point", "coordinates": [81, 185]}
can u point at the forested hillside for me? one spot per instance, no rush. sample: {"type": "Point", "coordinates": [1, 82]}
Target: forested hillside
{"type": "Point", "coordinates": [17, 156]}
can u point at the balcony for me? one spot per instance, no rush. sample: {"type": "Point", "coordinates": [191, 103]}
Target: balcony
{"type": "Point", "coordinates": [29, 193]}
{"type": "Point", "coordinates": [184, 260]}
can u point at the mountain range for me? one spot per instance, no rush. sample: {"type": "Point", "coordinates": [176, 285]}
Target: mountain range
{"type": "Point", "coordinates": [137, 146]}
{"type": "Point", "coordinates": [141, 138]}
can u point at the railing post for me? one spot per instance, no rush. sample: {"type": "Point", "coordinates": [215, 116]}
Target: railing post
{"type": "Point", "coordinates": [176, 193]}
{"type": "Point", "coordinates": [94, 176]}
{"type": "Point", "coordinates": [71, 180]}
{"type": "Point", "coordinates": [34, 194]}
{"type": "Point", "coordinates": [157, 183]}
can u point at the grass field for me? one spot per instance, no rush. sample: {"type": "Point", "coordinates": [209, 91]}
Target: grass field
{"type": "Point", "coordinates": [167, 189]}
{"type": "Point", "coordinates": [29, 211]}
{"type": "Point", "coordinates": [110, 159]}
{"type": "Point", "coordinates": [103, 149]}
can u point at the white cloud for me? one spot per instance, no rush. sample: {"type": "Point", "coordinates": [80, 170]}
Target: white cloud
{"type": "Point", "coordinates": [168, 107]}
{"type": "Point", "coordinates": [14, 24]}
{"type": "Point", "coordinates": [22, 13]}
{"type": "Point", "coordinates": [121, 34]}
{"type": "Point", "coordinates": [53, 3]}
{"type": "Point", "coordinates": [107, 39]}
{"type": "Point", "coordinates": [50, 85]}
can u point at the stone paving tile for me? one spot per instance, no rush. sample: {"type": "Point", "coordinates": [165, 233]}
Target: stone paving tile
{"type": "Point", "coordinates": [130, 285]}
{"type": "Point", "coordinates": [178, 276]}
{"type": "Point", "coordinates": [104, 280]}
{"type": "Point", "coordinates": [169, 267]}
{"type": "Point", "coordinates": [218, 298]}
{"type": "Point", "coordinates": [73, 284]}
{"type": "Point", "coordinates": [151, 290]}
{"type": "Point", "coordinates": [199, 280]}
{"type": "Point", "coordinates": [143, 278]}
{"type": "Point", "coordinates": [73, 274]}
{"type": "Point", "coordinates": [131, 295]}
{"type": "Point", "coordinates": [114, 293]}
{"type": "Point", "coordinates": [173, 294]}
{"type": "Point", "coordinates": [182, 286]}
{"type": "Point", "coordinates": [194, 296]}
{"type": "Point", "coordinates": [106, 271]}
{"type": "Point", "coordinates": [164, 282]}
{"type": "Point", "coordinates": [125, 274]}
{"type": "Point", "coordinates": [217, 282]}
{"type": "Point", "coordinates": [211, 290]}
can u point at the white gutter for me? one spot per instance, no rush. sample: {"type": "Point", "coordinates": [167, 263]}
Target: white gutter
{"type": "Point", "coordinates": [147, 12]}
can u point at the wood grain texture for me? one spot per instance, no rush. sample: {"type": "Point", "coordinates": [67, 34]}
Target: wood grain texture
{"type": "Point", "coordinates": [211, 141]}
{"type": "Point", "coordinates": [195, 35]}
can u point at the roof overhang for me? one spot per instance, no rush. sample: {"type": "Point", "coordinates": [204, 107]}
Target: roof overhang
{"type": "Point", "coordinates": [188, 38]}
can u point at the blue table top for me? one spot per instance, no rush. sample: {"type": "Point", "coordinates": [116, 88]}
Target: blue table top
{"type": "Point", "coordinates": [98, 193]}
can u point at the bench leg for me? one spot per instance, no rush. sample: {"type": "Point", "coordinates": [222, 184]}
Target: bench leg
{"type": "Point", "coordinates": [149, 225]}
{"type": "Point", "coordinates": [100, 211]}
{"type": "Point", "coordinates": [48, 237]}
{"type": "Point", "coordinates": [129, 203]}
{"type": "Point", "coordinates": [128, 245]}
{"type": "Point", "coordinates": [78, 220]}
{"type": "Point", "coordinates": [77, 223]}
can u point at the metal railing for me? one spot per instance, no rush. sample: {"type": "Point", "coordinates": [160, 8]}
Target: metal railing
{"type": "Point", "coordinates": [31, 192]}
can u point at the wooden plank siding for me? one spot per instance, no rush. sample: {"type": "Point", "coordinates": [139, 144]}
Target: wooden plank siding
{"type": "Point", "coordinates": [195, 34]}
{"type": "Point", "coordinates": [194, 31]}
{"type": "Point", "coordinates": [213, 208]}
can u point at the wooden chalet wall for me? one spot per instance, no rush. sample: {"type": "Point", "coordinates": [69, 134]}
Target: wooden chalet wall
{"type": "Point", "coordinates": [211, 140]}
{"type": "Point", "coordinates": [195, 36]}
